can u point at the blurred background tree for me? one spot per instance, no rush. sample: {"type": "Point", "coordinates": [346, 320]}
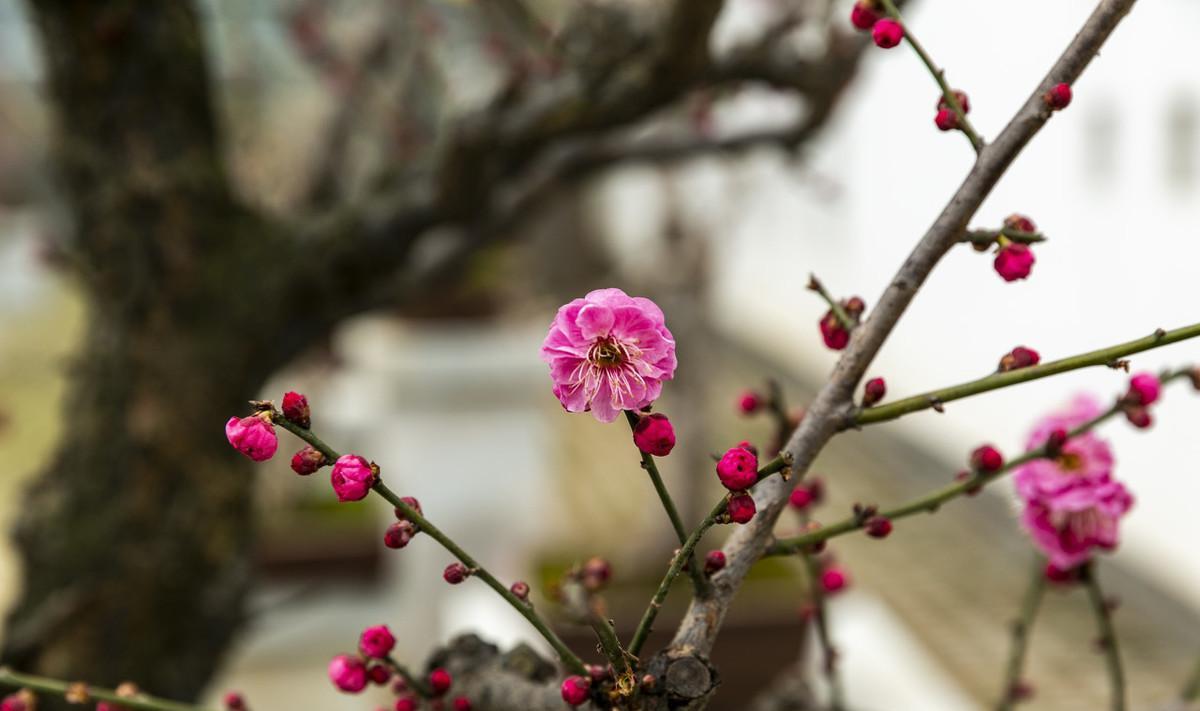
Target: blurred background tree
{"type": "Point", "coordinates": [457, 141]}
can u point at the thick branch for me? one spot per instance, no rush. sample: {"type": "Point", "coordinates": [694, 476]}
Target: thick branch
{"type": "Point", "coordinates": [699, 628]}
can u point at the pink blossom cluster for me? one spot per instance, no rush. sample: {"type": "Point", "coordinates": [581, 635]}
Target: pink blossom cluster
{"type": "Point", "coordinates": [1071, 503]}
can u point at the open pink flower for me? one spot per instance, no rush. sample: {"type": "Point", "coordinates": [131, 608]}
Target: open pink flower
{"type": "Point", "coordinates": [1070, 525]}
{"type": "Point", "coordinates": [609, 352]}
{"type": "Point", "coordinates": [1084, 460]}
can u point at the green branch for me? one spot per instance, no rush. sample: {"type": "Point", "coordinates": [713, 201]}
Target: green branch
{"type": "Point", "coordinates": [1108, 638]}
{"type": "Point", "coordinates": [139, 701]}
{"type": "Point", "coordinates": [699, 583]}
{"type": "Point", "coordinates": [521, 606]}
{"type": "Point", "coordinates": [1104, 356]}
{"type": "Point", "coordinates": [1020, 636]}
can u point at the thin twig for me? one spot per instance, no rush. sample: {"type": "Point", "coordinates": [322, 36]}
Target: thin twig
{"type": "Point", "coordinates": [1108, 638]}
{"type": "Point", "coordinates": [814, 284]}
{"type": "Point", "coordinates": [698, 581]}
{"type": "Point", "coordinates": [1021, 628]}
{"type": "Point", "coordinates": [569, 659]}
{"type": "Point", "coordinates": [829, 663]}
{"type": "Point", "coordinates": [1103, 356]}
{"type": "Point", "coordinates": [939, 75]}
{"type": "Point", "coordinates": [417, 685]}
{"type": "Point", "coordinates": [932, 501]}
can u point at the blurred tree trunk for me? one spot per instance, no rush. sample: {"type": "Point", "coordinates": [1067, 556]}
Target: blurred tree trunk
{"type": "Point", "coordinates": [135, 538]}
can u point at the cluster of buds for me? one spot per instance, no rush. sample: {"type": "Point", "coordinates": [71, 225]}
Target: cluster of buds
{"type": "Point", "coordinates": [1144, 391]}
{"type": "Point", "coordinates": [1017, 358]}
{"type": "Point", "coordinates": [1014, 260]}
{"type": "Point", "coordinates": [738, 471]}
{"type": "Point", "coordinates": [869, 15]}
{"type": "Point", "coordinates": [946, 118]}
{"type": "Point", "coordinates": [833, 331]}
{"type": "Point", "coordinates": [400, 533]}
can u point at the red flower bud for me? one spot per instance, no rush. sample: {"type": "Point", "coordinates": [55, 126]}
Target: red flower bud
{"type": "Point", "coordinates": [1017, 222]}
{"type": "Point", "coordinates": [461, 703]}
{"type": "Point", "coordinates": [596, 573]}
{"type": "Point", "coordinates": [878, 527]}
{"type": "Point", "coordinates": [749, 402]}
{"type": "Point", "coordinates": [834, 579]}
{"type": "Point", "coordinates": [945, 120]}
{"type": "Point", "coordinates": [295, 409]}
{"type": "Point", "coordinates": [520, 589]}
{"type": "Point", "coordinates": [307, 460]}
{"type": "Point", "coordinates": [379, 674]}
{"type": "Point", "coordinates": [873, 391]}
{"type": "Point", "coordinates": [741, 508]}
{"type": "Point", "coordinates": [1014, 261]}
{"type": "Point", "coordinates": [653, 434]}
{"type": "Point", "coordinates": [1019, 357]}
{"type": "Point", "coordinates": [887, 33]}
{"type": "Point", "coordinates": [575, 690]}
{"type": "Point", "coordinates": [738, 469]}
{"type": "Point", "coordinates": [455, 573]}
{"type": "Point", "coordinates": [1059, 97]}
{"type": "Point", "coordinates": [987, 459]}
{"type": "Point", "coordinates": [399, 534]}
{"type": "Point", "coordinates": [863, 16]}
{"type": "Point", "coordinates": [439, 681]}
{"type": "Point", "coordinates": [714, 562]}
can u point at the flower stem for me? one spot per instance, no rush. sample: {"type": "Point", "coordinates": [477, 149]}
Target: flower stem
{"type": "Point", "coordinates": [829, 665]}
{"type": "Point", "coordinates": [983, 239]}
{"type": "Point", "coordinates": [569, 659]}
{"type": "Point", "coordinates": [939, 75]}
{"type": "Point", "coordinates": [413, 682]}
{"type": "Point", "coordinates": [778, 464]}
{"type": "Point", "coordinates": [141, 702]}
{"type": "Point", "coordinates": [1103, 356]}
{"type": "Point", "coordinates": [681, 556]}
{"type": "Point", "coordinates": [1108, 637]}
{"type": "Point", "coordinates": [1020, 636]}
{"type": "Point", "coordinates": [699, 583]}
{"type": "Point", "coordinates": [814, 284]}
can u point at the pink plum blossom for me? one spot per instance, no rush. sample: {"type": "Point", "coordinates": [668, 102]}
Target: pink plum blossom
{"type": "Point", "coordinates": [609, 352]}
{"type": "Point", "coordinates": [1068, 526]}
{"type": "Point", "coordinates": [253, 436]}
{"type": "Point", "coordinates": [352, 477]}
{"type": "Point", "coordinates": [1083, 460]}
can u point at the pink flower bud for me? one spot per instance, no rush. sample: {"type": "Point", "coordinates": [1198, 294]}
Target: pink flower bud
{"type": "Point", "coordinates": [575, 690]}
{"type": "Point", "coordinates": [1014, 261]}
{"type": "Point", "coordinates": [399, 534]}
{"type": "Point", "coordinates": [307, 460]}
{"type": "Point", "coordinates": [234, 701]}
{"type": "Point", "coordinates": [945, 120]}
{"type": "Point", "coordinates": [741, 508]}
{"type": "Point", "coordinates": [738, 469]}
{"type": "Point", "coordinates": [800, 498]}
{"type": "Point", "coordinates": [833, 332]}
{"type": "Point", "coordinates": [1144, 389]}
{"type": "Point", "coordinates": [1139, 417]}
{"type": "Point", "coordinates": [520, 589]}
{"type": "Point", "coordinates": [863, 16]}
{"type": "Point", "coordinates": [749, 402]}
{"type": "Point", "coordinates": [834, 579]}
{"type": "Point", "coordinates": [987, 459]}
{"type": "Point", "coordinates": [873, 391]}
{"type": "Point", "coordinates": [353, 477]}
{"type": "Point", "coordinates": [714, 561]}
{"type": "Point", "coordinates": [295, 409]}
{"type": "Point", "coordinates": [1055, 441]}
{"type": "Point", "coordinates": [13, 702]}
{"type": "Point", "coordinates": [964, 102]}
{"type": "Point", "coordinates": [348, 673]}
{"type": "Point", "coordinates": [887, 33]}
{"type": "Point", "coordinates": [379, 674]}
{"type": "Point", "coordinates": [1059, 97]}
{"type": "Point", "coordinates": [253, 436]}
{"type": "Point", "coordinates": [1017, 222]}
{"type": "Point", "coordinates": [455, 573]}
{"type": "Point", "coordinates": [405, 703]}
{"type": "Point", "coordinates": [439, 681]}
{"type": "Point", "coordinates": [1017, 358]}
{"type": "Point", "coordinates": [376, 641]}
{"type": "Point", "coordinates": [653, 434]}
{"type": "Point", "coordinates": [461, 703]}
{"type": "Point", "coordinates": [878, 527]}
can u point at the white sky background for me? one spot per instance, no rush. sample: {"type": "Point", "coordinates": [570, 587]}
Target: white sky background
{"type": "Point", "coordinates": [1124, 257]}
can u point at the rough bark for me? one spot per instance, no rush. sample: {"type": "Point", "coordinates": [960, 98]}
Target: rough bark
{"type": "Point", "coordinates": [135, 538]}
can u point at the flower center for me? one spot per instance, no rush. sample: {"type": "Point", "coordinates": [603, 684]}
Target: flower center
{"type": "Point", "coordinates": [607, 353]}
{"type": "Point", "coordinates": [1070, 462]}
